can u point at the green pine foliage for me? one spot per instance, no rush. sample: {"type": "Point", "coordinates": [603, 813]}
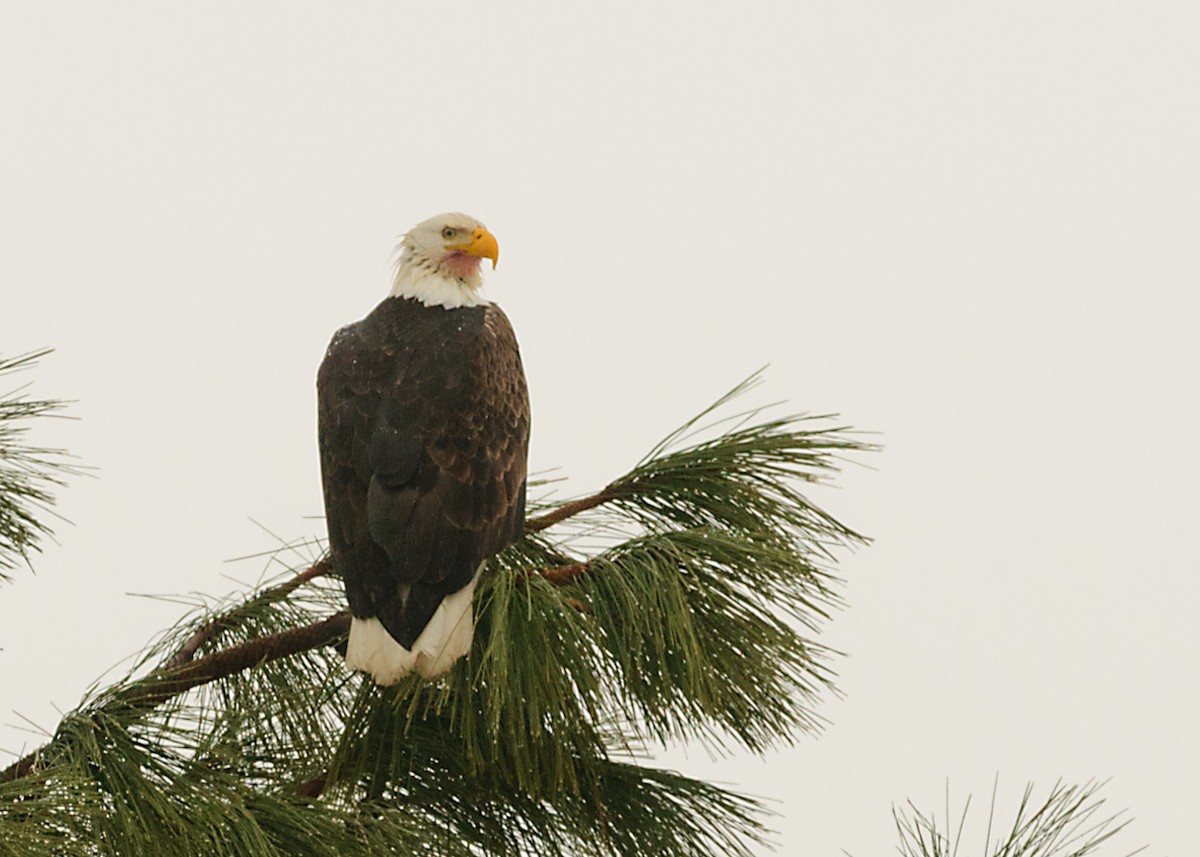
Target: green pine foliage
{"type": "Point", "coordinates": [1069, 822]}
{"type": "Point", "coordinates": [28, 474]}
{"type": "Point", "coordinates": [681, 602]}
{"type": "Point", "coordinates": [678, 603]}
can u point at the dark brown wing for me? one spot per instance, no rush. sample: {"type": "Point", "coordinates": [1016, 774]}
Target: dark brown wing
{"type": "Point", "coordinates": [424, 431]}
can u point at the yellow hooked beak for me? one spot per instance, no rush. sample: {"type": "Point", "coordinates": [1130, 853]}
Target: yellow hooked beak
{"type": "Point", "coordinates": [483, 244]}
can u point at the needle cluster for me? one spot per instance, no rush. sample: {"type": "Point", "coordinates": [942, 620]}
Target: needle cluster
{"type": "Point", "coordinates": [28, 474]}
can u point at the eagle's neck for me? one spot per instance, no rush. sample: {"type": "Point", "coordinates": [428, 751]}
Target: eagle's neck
{"type": "Point", "coordinates": [433, 284]}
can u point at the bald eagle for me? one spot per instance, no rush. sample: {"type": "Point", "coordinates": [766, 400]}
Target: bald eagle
{"type": "Point", "coordinates": [423, 423]}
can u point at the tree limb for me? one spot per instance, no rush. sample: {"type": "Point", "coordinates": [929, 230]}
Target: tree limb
{"type": "Point", "coordinates": [206, 631]}
{"type": "Point", "coordinates": [561, 575]}
{"type": "Point", "coordinates": [160, 686]}
{"type": "Point", "coordinates": [170, 682]}
{"type": "Point", "coordinates": [566, 510]}
{"type": "Point", "coordinates": [183, 671]}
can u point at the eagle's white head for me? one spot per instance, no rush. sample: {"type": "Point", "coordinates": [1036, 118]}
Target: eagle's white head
{"type": "Point", "coordinates": [439, 261]}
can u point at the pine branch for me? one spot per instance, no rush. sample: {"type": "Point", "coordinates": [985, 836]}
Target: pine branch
{"type": "Point", "coordinates": [28, 474]}
{"type": "Point", "coordinates": [562, 575]}
{"type": "Point", "coordinates": [181, 673]}
{"type": "Point", "coordinates": [160, 687]}
{"type": "Point", "coordinates": [664, 606]}
{"type": "Point", "coordinates": [202, 635]}
{"type": "Point", "coordinates": [1066, 824]}
{"type": "Point", "coordinates": [537, 523]}
{"type": "Point", "coordinates": [171, 682]}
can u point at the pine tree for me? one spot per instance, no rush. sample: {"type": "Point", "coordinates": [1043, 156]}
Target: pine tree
{"type": "Point", "coordinates": [681, 602]}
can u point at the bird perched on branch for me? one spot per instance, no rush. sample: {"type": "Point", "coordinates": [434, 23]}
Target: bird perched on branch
{"type": "Point", "coordinates": [423, 420]}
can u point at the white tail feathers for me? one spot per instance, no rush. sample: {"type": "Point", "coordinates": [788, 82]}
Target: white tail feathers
{"type": "Point", "coordinates": [444, 640]}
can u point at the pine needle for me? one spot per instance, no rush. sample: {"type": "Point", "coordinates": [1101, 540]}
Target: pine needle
{"type": "Point", "coordinates": [1067, 823]}
{"type": "Point", "coordinates": [28, 474]}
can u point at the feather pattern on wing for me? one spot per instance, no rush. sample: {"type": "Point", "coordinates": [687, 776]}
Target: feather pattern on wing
{"type": "Point", "coordinates": [424, 430]}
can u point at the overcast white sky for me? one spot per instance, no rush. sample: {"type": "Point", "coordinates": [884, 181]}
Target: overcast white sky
{"type": "Point", "coordinates": [971, 227]}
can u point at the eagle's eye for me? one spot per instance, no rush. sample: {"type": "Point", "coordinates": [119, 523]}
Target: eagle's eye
{"type": "Point", "coordinates": [449, 232]}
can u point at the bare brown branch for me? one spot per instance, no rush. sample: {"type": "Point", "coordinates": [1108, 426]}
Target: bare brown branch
{"type": "Point", "coordinates": [166, 684]}
{"type": "Point", "coordinates": [566, 510]}
{"type": "Point", "coordinates": [561, 575]}
{"type": "Point", "coordinates": [170, 682]}
{"type": "Point", "coordinates": [206, 631]}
